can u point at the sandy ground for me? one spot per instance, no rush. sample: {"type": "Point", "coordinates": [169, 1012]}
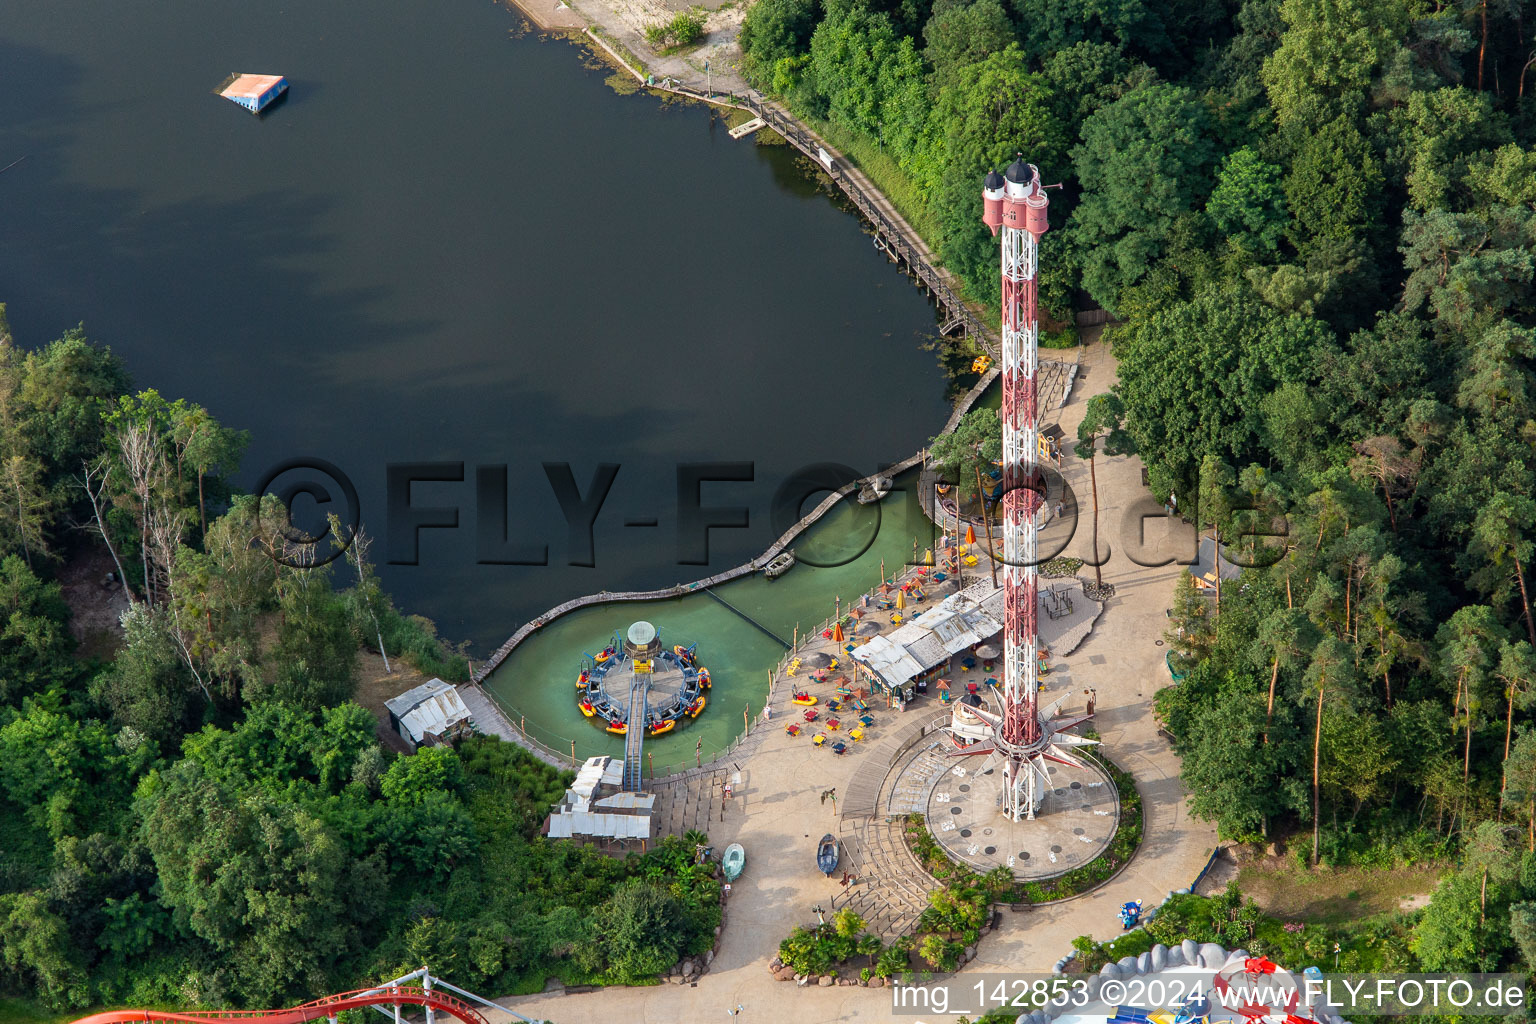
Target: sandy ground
{"type": "Point", "coordinates": [625, 21]}
{"type": "Point", "coordinates": [777, 815]}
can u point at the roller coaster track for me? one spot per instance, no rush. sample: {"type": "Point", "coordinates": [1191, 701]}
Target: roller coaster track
{"type": "Point", "coordinates": [326, 1006]}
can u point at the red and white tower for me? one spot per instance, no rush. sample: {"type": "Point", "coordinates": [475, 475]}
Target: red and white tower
{"type": "Point", "coordinates": [1015, 205]}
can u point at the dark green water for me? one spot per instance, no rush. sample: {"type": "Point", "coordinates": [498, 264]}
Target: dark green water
{"type": "Point", "coordinates": [450, 243]}
{"type": "Point", "coordinates": [848, 546]}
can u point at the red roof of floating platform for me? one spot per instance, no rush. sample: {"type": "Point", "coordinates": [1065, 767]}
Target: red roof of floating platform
{"type": "Point", "coordinates": [254, 91]}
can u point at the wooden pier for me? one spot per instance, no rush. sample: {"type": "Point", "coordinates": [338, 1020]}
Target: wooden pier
{"type": "Point", "coordinates": [892, 233]}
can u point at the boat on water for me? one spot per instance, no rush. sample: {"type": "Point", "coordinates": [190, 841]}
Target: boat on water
{"type": "Point", "coordinates": [697, 706]}
{"type": "Point", "coordinates": [874, 489]}
{"type": "Point", "coordinates": [779, 564]}
{"type": "Point", "coordinates": [826, 854]}
{"type": "Point", "coordinates": [587, 709]}
{"type": "Point", "coordinates": [704, 677]}
{"type": "Point", "coordinates": [734, 859]}
{"type": "Point", "coordinates": [618, 728]}
{"type": "Point", "coordinates": [657, 728]}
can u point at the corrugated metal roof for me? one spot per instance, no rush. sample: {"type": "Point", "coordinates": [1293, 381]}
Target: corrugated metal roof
{"type": "Point", "coordinates": [410, 698]}
{"type": "Point", "coordinates": [888, 660]}
{"type": "Point", "coordinates": [630, 801]}
{"type": "Point", "coordinates": [958, 622]}
{"type": "Point", "coordinates": [603, 826]}
{"type": "Point", "coordinates": [928, 651]}
{"type": "Point", "coordinates": [432, 707]}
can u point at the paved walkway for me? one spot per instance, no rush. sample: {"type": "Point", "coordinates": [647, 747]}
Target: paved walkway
{"type": "Point", "coordinates": [777, 813]}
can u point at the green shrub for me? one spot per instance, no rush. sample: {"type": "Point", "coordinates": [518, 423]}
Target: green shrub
{"type": "Point", "coordinates": [685, 29]}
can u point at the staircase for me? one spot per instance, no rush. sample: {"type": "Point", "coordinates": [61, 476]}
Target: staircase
{"type": "Point", "coordinates": [891, 893]}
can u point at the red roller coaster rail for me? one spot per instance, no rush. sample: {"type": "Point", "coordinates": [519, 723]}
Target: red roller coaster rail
{"type": "Point", "coordinates": [325, 1006]}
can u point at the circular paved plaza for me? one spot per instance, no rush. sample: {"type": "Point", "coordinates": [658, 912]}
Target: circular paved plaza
{"type": "Point", "coordinates": [1075, 823]}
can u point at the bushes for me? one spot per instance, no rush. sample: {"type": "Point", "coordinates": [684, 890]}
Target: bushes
{"type": "Point", "coordinates": [1379, 944]}
{"type": "Point", "coordinates": [685, 29]}
{"type": "Point", "coordinates": [414, 640]}
{"type": "Point", "coordinates": [826, 947]}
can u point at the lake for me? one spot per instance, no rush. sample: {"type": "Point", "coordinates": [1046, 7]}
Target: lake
{"type": "Point", "coordinates": [453, 244]}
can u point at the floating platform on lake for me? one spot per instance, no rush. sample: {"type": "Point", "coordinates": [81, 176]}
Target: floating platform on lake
{"type": "Point", "coordinates": [254, 92]}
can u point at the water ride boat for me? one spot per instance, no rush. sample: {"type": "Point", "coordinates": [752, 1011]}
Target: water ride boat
{"type": "Point", "coordinates": [618, 728]}
{"type": "Point", "coordinates": [731, 863]}
{"type": "Point", "coordinates": [826, 854]}
{"type": "Point", "coordinates": [779, 564]}
{"type": "Point", "coordinates": [875, 489]}
{"type": "Point", "coordinates": [804, 699]}
{"type": "Point", "coordinates": [704, 677]}
{"type": "Point", "coordinates": [587, 709]}
{"type": "Point", "coordinates": [697, 706]}
{"type": "Point", "coordinates": [657, 728]}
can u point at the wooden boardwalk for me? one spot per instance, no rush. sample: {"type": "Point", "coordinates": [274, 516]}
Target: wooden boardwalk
{"type": "Point", "coordinates": [745, 569]}
{"type": "Point", "coordinates": [892, 232]}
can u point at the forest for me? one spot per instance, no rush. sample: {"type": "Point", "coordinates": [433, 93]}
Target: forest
{"type": "Point", "coordinates": [1313, 224]}
{"type": "Point", "coordinates": [203, 816]}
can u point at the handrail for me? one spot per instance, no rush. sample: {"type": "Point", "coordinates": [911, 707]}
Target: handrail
{"type": "Point", "coordinates": [326, 1006]}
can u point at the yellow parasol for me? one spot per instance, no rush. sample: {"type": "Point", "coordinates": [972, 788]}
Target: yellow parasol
{"type": "Point", "coordinates": [901, 600]}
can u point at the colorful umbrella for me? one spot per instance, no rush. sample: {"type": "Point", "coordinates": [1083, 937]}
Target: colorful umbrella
{"type": "Point", "coordinates": [901, 600]}
{"type": "Point", "coordinates": [837, 633]}
{"type": "Point", "coordinates": [970, 534]}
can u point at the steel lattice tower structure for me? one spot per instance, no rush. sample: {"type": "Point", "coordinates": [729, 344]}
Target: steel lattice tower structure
{"type": "Point", "coordinates": [1015, 204]}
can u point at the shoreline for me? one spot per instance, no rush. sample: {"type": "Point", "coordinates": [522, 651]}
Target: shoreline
{"type": "Point", "coordinates": [549, 16]}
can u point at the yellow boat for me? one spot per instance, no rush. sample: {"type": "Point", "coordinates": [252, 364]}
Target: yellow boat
{"type": "Point", "coordinates": [603, 657]}
{"type": "Point", "coordinates": [587, 708]}
{"type": "Point", "coordinates": [703, 677]}
{"type": "Point", "coordinates": [581, 681]}
{"type": "Point", "coordinates": [697, 706]}
{"type": "Point", "coordinates": [803, 699]}
{"type": "Point", "coordinates": [618, 728]}
{"type": "Point", "coordinates": [667, 726]}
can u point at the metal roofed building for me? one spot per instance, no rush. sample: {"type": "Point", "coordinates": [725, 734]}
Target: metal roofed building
{"type": "Point", "coordinates": [922, 647]}
{"type": "Point", "coordinates": [429, 714]}
{"type": "Point", "coordinates": [596, 810]}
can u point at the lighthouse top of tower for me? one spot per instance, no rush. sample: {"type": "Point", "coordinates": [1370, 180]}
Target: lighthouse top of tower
{"type": "Point", "coordinates": [1023, 180]}
{"type": "Point", "coordinates": [994, 181]}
